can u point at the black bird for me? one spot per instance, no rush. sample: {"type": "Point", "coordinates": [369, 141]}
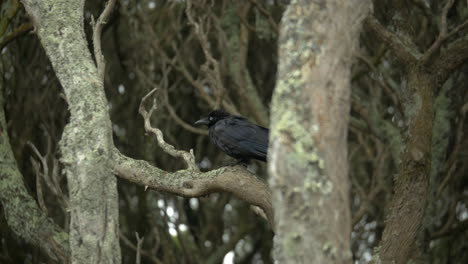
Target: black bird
{"type": "Point", "coordinates": [236, 136]}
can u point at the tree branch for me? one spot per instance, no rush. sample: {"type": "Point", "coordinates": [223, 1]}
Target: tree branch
{"type": "Point", "coordinates": [18, 32]}
{"type": "Point", "coordinates": [189, 158]}
{"type": "Point", "coordinates": [443, 35]}
{"type": "Point", "coordinates": [405, 53]}
{"type": "Point", "coordinates": [190, 183]}
{"type": "Point", "coordinates": [102, 20]}
{"type": "Point", "coordinates": [449, 60]}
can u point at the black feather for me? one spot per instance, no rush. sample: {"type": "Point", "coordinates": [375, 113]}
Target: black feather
{"type": "Point", "coordinates": [236, 136]}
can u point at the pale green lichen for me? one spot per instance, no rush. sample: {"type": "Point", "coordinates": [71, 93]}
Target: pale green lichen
{"type": "Point", "coordinates": [329, 250]}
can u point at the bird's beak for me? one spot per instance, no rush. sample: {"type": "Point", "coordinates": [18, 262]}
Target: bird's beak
{"type": "Point", "coordinates": [203, 121]}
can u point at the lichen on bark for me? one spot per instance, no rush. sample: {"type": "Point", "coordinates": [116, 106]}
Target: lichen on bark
{"type": "Point", "coordinates": [310, 112]}
{"type": "Point", "coordinates": [86, 144]}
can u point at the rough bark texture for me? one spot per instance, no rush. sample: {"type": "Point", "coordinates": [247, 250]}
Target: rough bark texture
{"type": "Point", "coordinates": [411, 185]}
{"type": "Point", "coordinates": [190, 183]}
{"type": "Point", "coordinates": [310, 110]}
{"type": "Point", "coordinates": [23, 215]}
{"type": "Point", "coordinates": [403, 238]}
{"type": "Point", "coordinates": [87, 139]}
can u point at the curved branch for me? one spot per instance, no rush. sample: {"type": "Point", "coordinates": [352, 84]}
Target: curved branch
{"type": "Point", "coordinates": [189, 183]}
{"type": "Point", "coordinates": [168, 148]}
{"type": "Point", "coordinates": [102, 20]}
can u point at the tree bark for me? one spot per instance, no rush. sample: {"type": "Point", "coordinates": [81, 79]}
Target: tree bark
{"type": "Point", "coordinates": [22, 214]}
{"type": "Point", "coordinates": [308, 145]}
{"type": "Point", "coordinates": [86, 144]}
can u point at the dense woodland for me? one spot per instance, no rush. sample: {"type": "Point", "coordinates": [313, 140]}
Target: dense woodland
{"type": "Point", "coordinates": [407, 138]}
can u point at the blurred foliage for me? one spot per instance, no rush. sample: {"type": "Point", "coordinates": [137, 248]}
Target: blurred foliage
{"type": "Point", "coordinates": [230, 62]}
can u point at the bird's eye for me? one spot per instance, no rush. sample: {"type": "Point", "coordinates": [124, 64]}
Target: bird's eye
{"type": "Point", "coordinates": [211, 118]}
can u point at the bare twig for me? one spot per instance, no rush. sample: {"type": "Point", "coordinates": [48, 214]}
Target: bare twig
{"type": "Point", "coordinates": [102, 20]}
{"type": "Point", "coordinates": [443, 18]}
{"type": "Point", "coordinates": [170, 108]}
{"type": "Point", "coordinates": [49, 177]}
{"type": "Point", "coordinates": [442, 32]}
{"type": "Point", "coordinates": [12, 9]}
{"type": "Point", "coordinates": [211, 67]}
{"type": "Point", "coordinates": [147, 254]}
{"type": "Point", "coordinates": [451, 163]}
{"type": "Point", "coordinates": [177, 119]}
{"type": "Point", "coordinates": [266, 13]}
{"type": "Point", "coordinates": [40, 193]}
{"type": "Point", "coordinates": [461, 227]}
{"type": "Point", "coordinates": [138, 249]}
{"type": "Point", "coordinates": [188, 157]}
{"type": "Point", "coordinates": [18, 32]}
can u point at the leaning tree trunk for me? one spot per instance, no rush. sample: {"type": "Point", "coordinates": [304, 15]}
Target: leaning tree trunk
{"type": "Point", "coordinates": [308, 150]}
{"type": "Point", "coordinates": [87, 139]}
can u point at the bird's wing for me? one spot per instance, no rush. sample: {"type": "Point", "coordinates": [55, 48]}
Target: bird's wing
{"type": "Point", "coordinates": [241, 138]}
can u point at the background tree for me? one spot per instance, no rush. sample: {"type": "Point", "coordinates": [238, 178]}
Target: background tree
{"type": "Point", "coordinates": [406, 135]}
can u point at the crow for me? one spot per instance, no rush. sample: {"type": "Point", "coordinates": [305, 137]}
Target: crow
{"type": "Point", "coordinates": [236, 136]}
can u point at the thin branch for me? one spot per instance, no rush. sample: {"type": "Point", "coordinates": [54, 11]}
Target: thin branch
{"type": "Point", "coordinates": [147, 254]}
{"type": "Point", "coordinates": [138, 249]}
{"type": "Point", "coordinates": [40, 193]}
{"type": "Point", "coordinates": [102, 20]}
{"type": "Point", "coordinates": [165, 84]}
{"type": "Point", "coordinates": [442, 32]}
{"type": "Point", "coordinates": [461, 227]}
{"type": "Point", "coordinates": [266, 13]}
{"type": "Point", "coordinates": [49, 176]}
{"type": "Point", "coordinates": [188, 157]}
{"type": "Point", "coordinates": [210, 68]}
{"type": "Point", "coordinates": [443, 18]}
{"type": "Point", "coordinates": [177, 119]}
{"type": "Point", "coordinates": [457, 29]}
{"type": "Point", "coordinates": [12, 9]}
{"type": "Point", "coordinates": [18, 32]}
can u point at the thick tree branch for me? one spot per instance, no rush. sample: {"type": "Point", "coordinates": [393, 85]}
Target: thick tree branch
{"type": "Point", "coordinates": [404, 52]}
{"type": "Point", "coordinates": [190, 183]}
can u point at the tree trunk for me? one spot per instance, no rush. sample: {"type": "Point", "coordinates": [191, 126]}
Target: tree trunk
{"type": "Point", "coordinates": [308, 145]}
{"type": "Point", "coordinates": [86, 143]}
{"type": "Point", "coordinates": [22, 214]}
{"type": "Point", "coordinates": [406, 211]}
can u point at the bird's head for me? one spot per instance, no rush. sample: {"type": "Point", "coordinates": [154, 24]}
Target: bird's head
{"type": "Point", "coordinates": [213, 117]}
